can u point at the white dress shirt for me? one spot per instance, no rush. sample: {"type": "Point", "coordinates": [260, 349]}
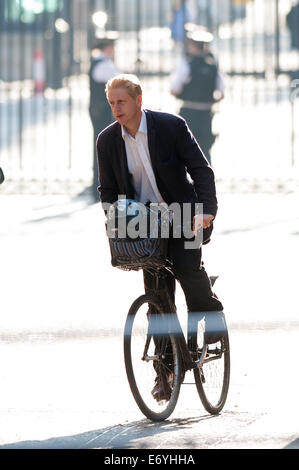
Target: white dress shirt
{"type": "Point", "coordinates": [140, 166]}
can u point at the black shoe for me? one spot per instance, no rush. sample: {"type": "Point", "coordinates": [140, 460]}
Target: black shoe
{"type": "Point", "coordinates": [163, 386]}
{"type": "Point", "coordinates": [215, 328]}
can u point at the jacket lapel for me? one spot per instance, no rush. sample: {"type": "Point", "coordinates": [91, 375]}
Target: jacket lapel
{"type": "Point", "coordinates": [123, 164]}
{"type": "Point", "coordinates": [152, 138]}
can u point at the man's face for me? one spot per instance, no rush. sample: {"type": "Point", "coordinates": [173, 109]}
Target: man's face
{"type": "Point", "coordinates": [196, 48]}
{"type": "Point", "coordinates": [109, 51]}
{"type": "Point", "coordinates": [125, 109]}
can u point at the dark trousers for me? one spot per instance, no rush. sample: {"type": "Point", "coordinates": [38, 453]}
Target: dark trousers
{"type": "Point", "coordinates": [193, 278]}
{"type": "Point", "coordinates": [195, 282]}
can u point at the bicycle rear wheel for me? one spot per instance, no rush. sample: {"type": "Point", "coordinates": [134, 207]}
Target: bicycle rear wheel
{"type": "Point", "coordinates": [212, 377]}
{"type": "Point", "coordinates": [148, 355]}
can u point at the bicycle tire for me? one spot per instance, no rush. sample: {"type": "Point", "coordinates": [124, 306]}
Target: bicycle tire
{"type": "Point", "coordinates": [141, 373]}
{"type": "Point", "coordinates": [212, 378]}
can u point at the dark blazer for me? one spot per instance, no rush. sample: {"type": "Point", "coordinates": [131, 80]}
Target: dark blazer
{"type": "Point", "coordinates": [182, 172]}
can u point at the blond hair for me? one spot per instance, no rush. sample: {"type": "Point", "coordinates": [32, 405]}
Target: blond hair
{"type": "Point", "coordinates": [128, 82]}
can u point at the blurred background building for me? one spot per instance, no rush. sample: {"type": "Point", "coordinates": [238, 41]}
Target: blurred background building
{"type": "Point", "coordinates": [45, 131]}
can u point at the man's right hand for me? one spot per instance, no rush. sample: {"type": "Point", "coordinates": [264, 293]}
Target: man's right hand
{"type": "Point", "coordinates": [201, 221]}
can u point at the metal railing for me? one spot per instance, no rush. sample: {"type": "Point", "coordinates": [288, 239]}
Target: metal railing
{"type": "Point", "coordinates": [45, 130]}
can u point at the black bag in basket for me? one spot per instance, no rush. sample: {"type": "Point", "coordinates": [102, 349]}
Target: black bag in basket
{"type": "Point", "coordinates": [138, 254]}
{"type": "Point", "coordinates": [146, 250]}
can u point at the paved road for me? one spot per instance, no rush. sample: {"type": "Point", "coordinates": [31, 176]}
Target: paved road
{"type": "Point", "coordinates": [63, 309]}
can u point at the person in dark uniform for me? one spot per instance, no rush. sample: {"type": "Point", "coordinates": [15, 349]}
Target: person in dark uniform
{"type": "Point", "coordinates": [102, 69]}
{"type": "Point", "coordinates": [198, 83]}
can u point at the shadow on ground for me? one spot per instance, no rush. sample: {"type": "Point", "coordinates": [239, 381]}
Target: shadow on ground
{"type": "Point", "coordinates": [127, 436]}
{"type": "Point", "coordinates": [293, 445]}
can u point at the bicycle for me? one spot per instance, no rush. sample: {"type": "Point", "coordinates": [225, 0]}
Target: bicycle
{"type": "Point", "coordinates": [154, 343]}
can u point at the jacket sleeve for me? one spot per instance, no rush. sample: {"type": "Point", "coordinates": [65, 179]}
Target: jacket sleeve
{"type": "Point", "coordinates": [108, 188]}
{"type": "Point", "coordinates": [198, 168]}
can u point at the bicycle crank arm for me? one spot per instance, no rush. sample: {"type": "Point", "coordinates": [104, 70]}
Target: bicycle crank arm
{"type": "Point", "coordinates": [201, 360]}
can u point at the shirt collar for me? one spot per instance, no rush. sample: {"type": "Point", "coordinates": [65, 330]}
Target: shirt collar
{"type": "Point", "coordinates": [142, 126]}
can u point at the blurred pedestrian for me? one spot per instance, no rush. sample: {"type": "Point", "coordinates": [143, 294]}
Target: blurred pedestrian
{"type": "Point", "coordinates": [102, 69]}
{"type": "Point", "coordinates": [1, 176]}
{"type": "Point", "coordinates": [198, 83]}
{"type": "Point", "coordinates": [180, 15]}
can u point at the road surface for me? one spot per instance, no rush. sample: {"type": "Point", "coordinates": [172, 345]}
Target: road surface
{"type": "Point", "coordinates": [63, 308]}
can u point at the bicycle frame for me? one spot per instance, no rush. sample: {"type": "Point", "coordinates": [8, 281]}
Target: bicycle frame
{"type": "Point", "coordinates": [174, 327]}
{"type": "Point", "coordinates": [166, 352]}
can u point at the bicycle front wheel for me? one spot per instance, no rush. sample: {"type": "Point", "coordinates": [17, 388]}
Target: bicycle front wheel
{"type": "Point", "coordinates": [212, 377]}
{"type": "Point", "coordinates": [152, 358]}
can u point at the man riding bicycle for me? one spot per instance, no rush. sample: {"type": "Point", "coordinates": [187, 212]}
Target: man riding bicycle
{"type": "Point", "coordinates": [152, 156]}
